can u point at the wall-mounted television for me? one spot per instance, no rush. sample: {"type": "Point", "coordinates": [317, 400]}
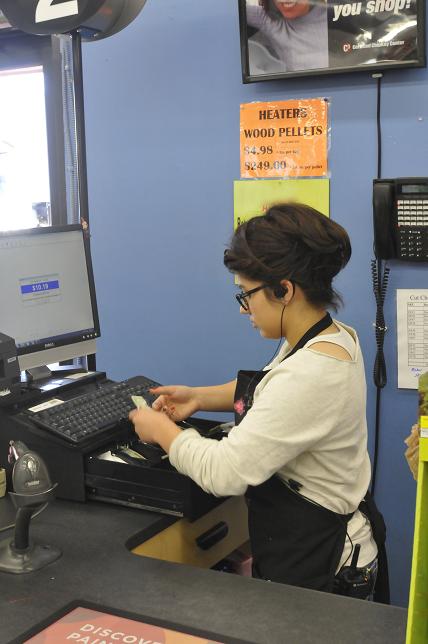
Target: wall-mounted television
{"type": "Point", "coordinates": [286, 38]}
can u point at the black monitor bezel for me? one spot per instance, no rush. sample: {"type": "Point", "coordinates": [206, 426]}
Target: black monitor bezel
{"type": "Point", "coordinates": [328, 71]}
{"type": "Point", "coordinates": [70, 340]}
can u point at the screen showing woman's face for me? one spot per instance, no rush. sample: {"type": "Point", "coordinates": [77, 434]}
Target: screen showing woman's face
{"type": "Point", "coordinates": [292, 9]}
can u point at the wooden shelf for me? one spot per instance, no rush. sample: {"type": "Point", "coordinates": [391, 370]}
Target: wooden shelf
{"type": "Point", "coordinates": [178, 542]}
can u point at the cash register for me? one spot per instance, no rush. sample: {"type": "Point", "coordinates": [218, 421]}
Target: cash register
{"type": "Point", "coordinates": [75, 418]}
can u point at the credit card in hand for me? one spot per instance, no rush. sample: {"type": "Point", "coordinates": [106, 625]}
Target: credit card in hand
{"type": "Point", "coordinates": [139, 401]}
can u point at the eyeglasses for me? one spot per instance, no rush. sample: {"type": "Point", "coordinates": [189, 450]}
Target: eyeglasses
{"type": "Point", "coordinates": [242, 297]}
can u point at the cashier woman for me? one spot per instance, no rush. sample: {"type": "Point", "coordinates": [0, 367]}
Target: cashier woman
{"type": "Point", "coordinates": [298, 448]}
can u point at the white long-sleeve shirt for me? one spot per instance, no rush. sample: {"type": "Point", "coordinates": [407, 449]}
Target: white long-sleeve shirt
{"type": "Point", "coordinates": [307, 423]}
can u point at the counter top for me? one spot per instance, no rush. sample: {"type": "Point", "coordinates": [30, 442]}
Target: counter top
{"type": "Point", "coordinates": [97, 567]}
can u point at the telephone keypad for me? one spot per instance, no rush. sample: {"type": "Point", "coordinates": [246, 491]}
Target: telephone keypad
{"type": "Point", "coordinates": [412, 221]}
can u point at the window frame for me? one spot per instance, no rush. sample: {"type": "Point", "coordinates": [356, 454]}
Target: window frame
{"type": "Point", "coordinates": [19, 51]}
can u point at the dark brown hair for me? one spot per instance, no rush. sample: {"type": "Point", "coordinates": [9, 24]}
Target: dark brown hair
{"type": "Point", "coordinates": [295, 242]}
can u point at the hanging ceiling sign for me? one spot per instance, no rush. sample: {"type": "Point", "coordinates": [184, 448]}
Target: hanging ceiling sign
{"type": "Point", "coordinates": [96, 18]}
{"type": "Point", "coordinates": [44, 17]}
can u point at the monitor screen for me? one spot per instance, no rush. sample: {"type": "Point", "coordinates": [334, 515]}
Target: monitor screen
{"type": "Point", "coordinates": [47, 294]}
{"type": "Point", "coordinates": [282, 38]}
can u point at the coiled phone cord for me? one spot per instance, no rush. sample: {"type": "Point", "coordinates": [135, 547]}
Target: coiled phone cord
{"type": "Point", "coordinates": [380, 282]}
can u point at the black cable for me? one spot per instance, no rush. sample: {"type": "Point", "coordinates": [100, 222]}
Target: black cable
{"type": "Point", "coordinates": [378, 124]}
{"type": "Point", "coordinates": [280, 336]}
{"type": "Point", "coordinates": [380, 275]}
{"type": "Point", "coordinates": [380, 283]}
{"type": "Point", "coordinates": [36, 514]}
{"type": "Point", "coordinates": [275, 352]}
{"type": "Point", "coordinates": [376, 443]}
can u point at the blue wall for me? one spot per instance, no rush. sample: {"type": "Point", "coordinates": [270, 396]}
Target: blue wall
{"type": "Point", "coordinates": [162, 115]}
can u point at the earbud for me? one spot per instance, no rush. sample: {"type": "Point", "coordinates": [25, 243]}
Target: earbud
{"type": "Point", "coordinates": [279, 290]}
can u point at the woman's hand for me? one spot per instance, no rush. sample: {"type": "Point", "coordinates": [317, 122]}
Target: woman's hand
{"type": "Point", "coordinates": [178, 402]}
{"type": "Point", "coordinates": [154, 427]}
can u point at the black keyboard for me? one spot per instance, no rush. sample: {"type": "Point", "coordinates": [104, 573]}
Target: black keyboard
{"type": "Point", "coordinates": [97, 412]}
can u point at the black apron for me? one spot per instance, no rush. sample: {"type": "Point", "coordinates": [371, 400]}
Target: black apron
{"type": "Point", "coordinates": [293, 540]}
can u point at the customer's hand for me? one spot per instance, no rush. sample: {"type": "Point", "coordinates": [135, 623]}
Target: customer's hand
{"type": "Point", "coordinates": [178, 402]}
{"type": "Point", "coordinates": [412, 451]}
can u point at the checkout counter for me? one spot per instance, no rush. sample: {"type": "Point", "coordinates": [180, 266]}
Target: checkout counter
{"type": "Point", "coordinates": [155, 564]}
{"type": "Point", "coordinates": [97, 566]}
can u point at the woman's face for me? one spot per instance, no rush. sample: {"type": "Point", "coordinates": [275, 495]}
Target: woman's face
{"type": "Point", "coordinates": [291, 9]}
{"type": "Point", "coordinates": [265, 311]}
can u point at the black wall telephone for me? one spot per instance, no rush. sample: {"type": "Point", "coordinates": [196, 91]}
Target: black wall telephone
{"type": "Point", "coordinates": [400, 219]}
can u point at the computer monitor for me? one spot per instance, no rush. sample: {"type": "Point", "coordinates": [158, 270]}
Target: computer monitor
{"type": "Point", "coordinates": [47, 294]}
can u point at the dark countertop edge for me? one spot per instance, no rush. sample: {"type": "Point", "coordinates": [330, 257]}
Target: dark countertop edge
{"type": "Point", "coordinates": [96, 567]}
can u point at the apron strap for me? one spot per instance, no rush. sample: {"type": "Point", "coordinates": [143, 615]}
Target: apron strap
{"type": "Point", "coordinates": [311, 333]}
{"type": "Point", "coordinates": [369, 508]}
{"type": "Point", "coordinates": [247, 381]}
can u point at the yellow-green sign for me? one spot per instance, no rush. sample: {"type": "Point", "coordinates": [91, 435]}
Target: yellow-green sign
{"type": "Point", "coordinates": [252, 198]}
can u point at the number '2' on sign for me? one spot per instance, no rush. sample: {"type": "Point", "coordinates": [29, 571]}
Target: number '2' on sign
{"type": "Point", "coordinates": [46, 10]}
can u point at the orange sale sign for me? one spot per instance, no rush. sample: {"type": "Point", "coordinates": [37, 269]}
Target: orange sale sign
{"type": "Point", "coordinates": [284, 139]}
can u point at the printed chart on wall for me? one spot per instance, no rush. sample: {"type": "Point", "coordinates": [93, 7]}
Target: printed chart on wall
{"type": "Point", "coordinates": [252, 198]}
{"type": "Point", "coordinates": [412, 336]}
{"type": "Point", "coordinates": [284, 139]}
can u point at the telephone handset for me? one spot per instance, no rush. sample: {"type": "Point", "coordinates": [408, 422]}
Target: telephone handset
{"type": "Point", "coordinates": [400, 219]}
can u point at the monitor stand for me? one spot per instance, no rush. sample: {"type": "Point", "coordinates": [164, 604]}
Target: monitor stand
{"type": "Point", "coordinates": [28, 391]}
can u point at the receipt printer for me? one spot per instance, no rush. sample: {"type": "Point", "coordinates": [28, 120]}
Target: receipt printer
{"type": "Point", "coordinates": [9, 366]}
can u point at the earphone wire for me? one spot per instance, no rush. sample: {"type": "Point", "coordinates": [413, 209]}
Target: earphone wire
{"type": "Point", "coordinates": [269, 361]}
{"type": "Point", "coordinates": [280, 338]}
